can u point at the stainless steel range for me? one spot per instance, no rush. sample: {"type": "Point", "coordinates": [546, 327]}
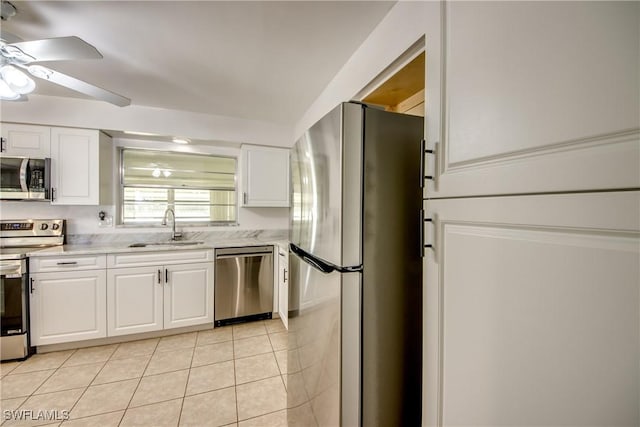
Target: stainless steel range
{"type": "Point", "coordinates": [17, 239]}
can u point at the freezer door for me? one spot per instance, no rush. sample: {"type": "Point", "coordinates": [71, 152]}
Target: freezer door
{"type": "Point", "coordinates": [326, 174]}
{"type": "Point", "coordinates": [324, 328]}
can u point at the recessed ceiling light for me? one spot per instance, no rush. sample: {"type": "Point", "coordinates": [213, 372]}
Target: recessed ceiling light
{"type": "Point", "coordinates": [181, 140]}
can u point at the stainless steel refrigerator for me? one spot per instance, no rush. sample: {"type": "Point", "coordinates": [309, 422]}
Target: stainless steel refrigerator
{"type": "Point", "coordinates": [355, 296]}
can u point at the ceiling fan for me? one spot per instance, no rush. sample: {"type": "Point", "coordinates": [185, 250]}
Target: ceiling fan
{"type": "Point", "coordinates": [17, 56]}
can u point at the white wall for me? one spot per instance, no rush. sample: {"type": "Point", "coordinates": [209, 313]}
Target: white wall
{"type": "Point", "coordinates": [90, 114]}
{"type": "Point", "coordinates": [405, 24]}
{"type": "Point", "coordinates": [84, 219]}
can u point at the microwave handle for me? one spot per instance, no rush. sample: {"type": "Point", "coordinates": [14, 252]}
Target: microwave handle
{"type": "Point", "coordinates": [23, 175]}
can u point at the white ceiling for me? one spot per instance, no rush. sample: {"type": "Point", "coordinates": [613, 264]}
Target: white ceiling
{"type": "Point", "coordinates": [255, 60]}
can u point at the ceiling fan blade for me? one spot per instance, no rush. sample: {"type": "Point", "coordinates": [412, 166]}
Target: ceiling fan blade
{"type": "Point", "coordinates": [7, 37]}
{"type": "Point", "coordinates": [58, 49]}
{"type": "Point", "coordinates": [78, 85]}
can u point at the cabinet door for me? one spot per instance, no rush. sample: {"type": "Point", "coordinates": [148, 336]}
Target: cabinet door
{"type": "Point", "coordinates": [134, 300]}
{"type": "Point", "coordinates": [283, 287]}
{"type": "Point", "coordinates": [531, 310]}
{"type": "Point", "coordinates": [68, 306]}
{"type": "Point", "coordinates": [188, 295]}
{"type": "Point", "coordinates": [265, 176]}
{"type": "Point", "coordinates": [26, 140]}
{"type": "Point", "coordinates": [75, 168]}
{"type": "Point", "coordinates": [530, 110]}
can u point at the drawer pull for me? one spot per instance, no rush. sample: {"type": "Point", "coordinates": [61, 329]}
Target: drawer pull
{"type": "Point", "coordinates": [68, 263]}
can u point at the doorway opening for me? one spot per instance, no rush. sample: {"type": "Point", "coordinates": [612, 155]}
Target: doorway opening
{"type": "Point", "coordinates": [400, 88]}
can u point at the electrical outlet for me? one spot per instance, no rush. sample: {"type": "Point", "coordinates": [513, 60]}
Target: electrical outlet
{"type": "Point", "coordinates": [104, 220]}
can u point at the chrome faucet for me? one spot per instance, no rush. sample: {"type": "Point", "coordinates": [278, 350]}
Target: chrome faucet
{"type": "Point", "coordinates": [174, 235]}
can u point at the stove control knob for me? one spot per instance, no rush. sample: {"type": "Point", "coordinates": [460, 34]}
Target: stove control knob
{"type": "Point", "coordinates": [55, 226]}
{"type": "Point", "coordinates": [44, 226]}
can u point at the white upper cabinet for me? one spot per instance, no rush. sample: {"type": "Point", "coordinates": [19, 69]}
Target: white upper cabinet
{"type": "Point", "coordinates": [26, 140]}
{"type": "Point", "coordinates": [81, 167]}
{"type": "Point", "coordinates": [539, 97]}
{"type": "Point", "coordinates": [265, 176]}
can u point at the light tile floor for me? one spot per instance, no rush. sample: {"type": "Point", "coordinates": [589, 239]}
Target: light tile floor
{"type": "Point", "coordinates": [234, 375]}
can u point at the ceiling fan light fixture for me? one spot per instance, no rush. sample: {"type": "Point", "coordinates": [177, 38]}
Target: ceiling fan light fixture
{"type": "Point", "coordinates": [6, 94]}
{"type": "Point", "coordinates": [40, 72]}
{"type": "Point", "coordinates": [16, 54]}
{"type": "Point", "coordinates": [7, 10]}
{"type": "Point", "coordinates": [17, 81]}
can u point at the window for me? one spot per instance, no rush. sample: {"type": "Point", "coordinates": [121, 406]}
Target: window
{"type": "Point", "coordinates": [201, 189]}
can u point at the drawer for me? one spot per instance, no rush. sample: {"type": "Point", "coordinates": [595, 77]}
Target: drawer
{"type": "Point", "coordinates": [67, 263]}
{"type": "Point", "coordinates": [142, 259]}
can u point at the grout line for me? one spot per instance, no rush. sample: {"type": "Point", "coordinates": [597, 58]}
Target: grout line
{"type": "Point", "coordinates": [235, 380]}
{"type": "Point", "coordinates": [86, 388]}
{"type": "Point", "coordinates": [186, 385]}
{"type": "Point", "coordinates": [12, 372]}
{"type": "Point", "coordinates": [263, 415]}
{"type": "Point", "coordinates": [139, 381]}
{"type": "Point", "coordinates": [89, 416]}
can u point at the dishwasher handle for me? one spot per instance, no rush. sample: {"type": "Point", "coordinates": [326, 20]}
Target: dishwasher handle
{"type": "Point", "coordinates": [251, 255]}
{"type": "Point", "coordinates": [241, 252]}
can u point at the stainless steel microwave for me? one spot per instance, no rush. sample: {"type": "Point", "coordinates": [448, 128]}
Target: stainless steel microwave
{"type": "Point", "coordinates": [25, 179]}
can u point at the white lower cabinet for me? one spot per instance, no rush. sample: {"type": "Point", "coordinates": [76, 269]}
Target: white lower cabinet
{"type": "Point", "coordinates": [68, 306]}
{"type": "Point", "coordinates": [283, 286]}
{"type": "Point", "coordinates": [74, 298]}
{"type": "Point", "coordinates": [143, 299]}
{"type": "Point", "coordinates": [188, 295]}
{"type": "Point", "coordinates": [134, 300]}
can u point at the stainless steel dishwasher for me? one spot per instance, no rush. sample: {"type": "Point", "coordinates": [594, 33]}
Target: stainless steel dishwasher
{"type": "Point", "coordinates": [243, 284]}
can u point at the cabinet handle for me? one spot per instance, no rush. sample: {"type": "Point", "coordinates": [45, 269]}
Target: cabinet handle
{"type": "Point", "coordinates": [244, 198]}
{"type": "Point", "coordinates": [422, 165]}
{"type": "Point", "coordinates": [53, 194]}
{"type": "Point", "coordinates": [166, 275]}
{"type": "Point", "coordinates": [31, 286]}
{"type": "Point", "coordinates": [3, 142]}
{"type": "Point", "coordinates": [68, 263]}
{"type": "Point", "coordinates": [159, 276]}
{"type": "Point", "coordinates": [422, 149]}
{"type": "Point", "coordinates": [285, 275]}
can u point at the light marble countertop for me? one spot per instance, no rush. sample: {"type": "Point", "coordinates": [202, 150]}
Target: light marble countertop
{"type": "Point", "coordinates": [113, 247]}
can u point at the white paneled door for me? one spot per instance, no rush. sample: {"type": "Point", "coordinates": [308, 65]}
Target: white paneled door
{"type": "Point", "coordinates": [188, 295]}
{"type": "Point", "coordinates": [532, 277]}
{"type": "Point", "coordinates": [532, 308]}
{"type": "Point", "coordinates": [67, 306]}
{"type": "Point", "coordinates": [134, 300]}
{"type": "Point", "coordinates": [539, 97]}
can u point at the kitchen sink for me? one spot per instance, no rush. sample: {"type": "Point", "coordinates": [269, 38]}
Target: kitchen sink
{"type": "Point", "coordinates": [170, 243]}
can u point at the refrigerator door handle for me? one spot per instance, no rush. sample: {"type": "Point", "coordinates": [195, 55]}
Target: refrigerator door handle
{"type": "Point", "coordinates": [318, 264]}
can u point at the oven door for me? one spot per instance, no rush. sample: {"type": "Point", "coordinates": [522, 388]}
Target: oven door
{"type": "Point", "coordinates": [13, 310]}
